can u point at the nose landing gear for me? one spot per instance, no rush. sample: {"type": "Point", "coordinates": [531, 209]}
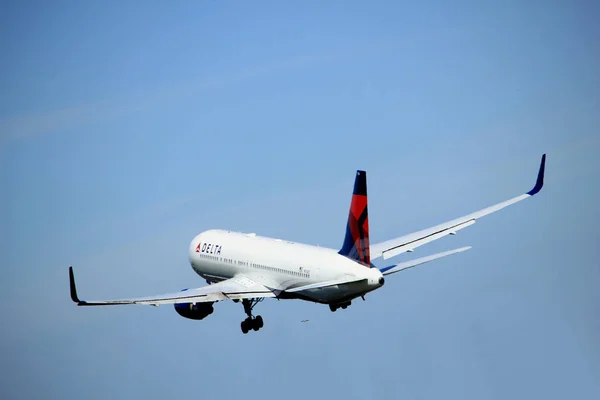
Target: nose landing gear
{"type": "Point", "coordinates": [251, 323]}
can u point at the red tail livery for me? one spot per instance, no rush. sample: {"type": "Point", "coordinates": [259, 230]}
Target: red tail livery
{"type": "Point", "coordinates": [356, 242]}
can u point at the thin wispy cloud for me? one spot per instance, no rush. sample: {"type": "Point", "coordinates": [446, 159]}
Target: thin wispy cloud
{"type": "Point", "coordinates": [19, 127]}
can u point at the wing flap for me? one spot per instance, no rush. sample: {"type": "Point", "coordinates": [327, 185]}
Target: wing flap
{"type": "Point", "coordinates": [423, 237]}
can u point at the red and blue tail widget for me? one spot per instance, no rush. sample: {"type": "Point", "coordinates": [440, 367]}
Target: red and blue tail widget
{"type": "Point", "coordinates": [356, 242]}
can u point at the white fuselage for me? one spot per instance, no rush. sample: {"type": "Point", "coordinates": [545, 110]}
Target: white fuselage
{"type": "Point", "coordinates": [279, 264]}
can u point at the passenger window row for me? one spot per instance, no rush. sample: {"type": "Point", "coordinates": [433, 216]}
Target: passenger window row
{"type": "Point", "coordinates": [304, 274]}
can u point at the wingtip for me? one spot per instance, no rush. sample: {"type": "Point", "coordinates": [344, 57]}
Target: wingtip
{"type": "Point", "coordinates": [73, 287]}
{"type": "Point", "coordinates": [540, 179]}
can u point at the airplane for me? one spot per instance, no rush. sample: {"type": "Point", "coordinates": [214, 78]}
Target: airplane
{"type": "Point", "coordinates": [247, 267]}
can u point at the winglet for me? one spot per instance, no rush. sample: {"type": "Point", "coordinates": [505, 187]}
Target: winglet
{"type": "Point", "coordinates": [540, 179]}
{"type": "Point", "coordinates": [73, 287]}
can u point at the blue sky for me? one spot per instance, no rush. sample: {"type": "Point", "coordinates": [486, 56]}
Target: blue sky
{"type": "Point", "coordinates": [127, 128]}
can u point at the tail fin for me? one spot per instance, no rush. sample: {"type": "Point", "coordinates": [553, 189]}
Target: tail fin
{"type": "Point", "coordinates": [356, 242]}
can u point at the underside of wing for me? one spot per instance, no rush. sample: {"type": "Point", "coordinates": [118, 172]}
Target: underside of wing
{"type": "Point", "coordinates": [408, 243]}
{"type": "Point", "coordinates": [238, 287]}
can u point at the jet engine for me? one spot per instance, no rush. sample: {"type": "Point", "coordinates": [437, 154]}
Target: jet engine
{"type": "Point", "coordinates": [195, 311]}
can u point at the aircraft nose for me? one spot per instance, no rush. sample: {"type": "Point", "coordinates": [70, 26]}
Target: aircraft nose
{"type": "Point", "coordinates": [194, 246]}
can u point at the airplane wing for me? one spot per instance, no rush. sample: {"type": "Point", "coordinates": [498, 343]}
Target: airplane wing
{"type": "Point", "coordinates": [413, 263]}
{"type": "Point", "coordinates": [408, 243]}
{"type": "Point", "coordinates": [238, 287]}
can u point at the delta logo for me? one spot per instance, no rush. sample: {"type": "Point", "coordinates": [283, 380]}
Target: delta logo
{"type": "Point", "coordinates": [208, 248]}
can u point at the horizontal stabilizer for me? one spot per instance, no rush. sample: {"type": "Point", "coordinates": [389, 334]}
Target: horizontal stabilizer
{"type": "Point", "coordinates": [413, 263]}
{"type": "Point", "coordinates": [322, 285]}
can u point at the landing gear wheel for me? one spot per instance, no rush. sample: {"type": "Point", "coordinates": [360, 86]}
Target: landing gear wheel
{"type": "Point", "coordinates": [251, 323]}
{"type": "Point", "coordinates": [332, 308]}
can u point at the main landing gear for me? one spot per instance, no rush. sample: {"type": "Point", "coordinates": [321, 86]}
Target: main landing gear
{"type": "Point", "coordinates": [334, 307]}
{"type": "Point", "coordinates": [254, 323]}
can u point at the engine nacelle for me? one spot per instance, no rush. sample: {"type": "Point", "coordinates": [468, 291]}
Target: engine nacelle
{"type": "Point", "coordinates": [195, 311]}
